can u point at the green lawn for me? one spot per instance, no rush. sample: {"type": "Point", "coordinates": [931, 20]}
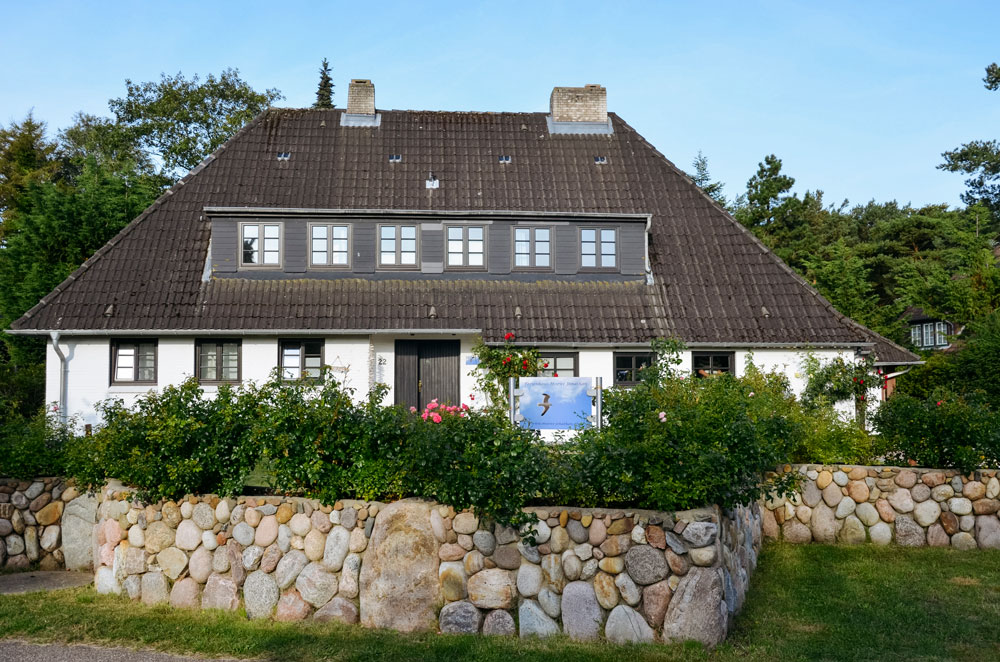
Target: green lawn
{"type": "Point", "coordinates": [807, 603]}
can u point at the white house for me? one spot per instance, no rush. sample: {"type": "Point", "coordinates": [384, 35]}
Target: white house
{"type": "Point", "coordinates": [384, 243]}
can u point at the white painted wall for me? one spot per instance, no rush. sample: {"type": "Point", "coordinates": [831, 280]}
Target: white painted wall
{"type": "Point", "coordinates": [356, 362]}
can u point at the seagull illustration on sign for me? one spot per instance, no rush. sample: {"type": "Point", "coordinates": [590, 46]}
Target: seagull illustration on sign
{"type": "Point", "coordinates": [545, 404]}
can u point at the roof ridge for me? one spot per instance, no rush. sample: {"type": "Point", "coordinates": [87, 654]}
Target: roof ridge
{"type": "Point", "coordinates": [125, 231]}
{"type": "Point", "coordinates": [844, 319]}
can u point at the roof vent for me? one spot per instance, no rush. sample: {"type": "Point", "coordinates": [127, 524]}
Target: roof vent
{"type": "Point", "coordinates": [360, 105]}
{"type": "Point", "coordinates": [284, 156]}
{"type": "Point", "coordinates": [582, 110]}
{"type": "Point", "coordinates": [110, 310]}
{"type": "Point", "coordinates": [765, 312]}
{"type": "Point", "coordinates": [395, 158]}
{"type": "Point", "coordinates": [504, 158]}
{"type": "Point", "coordinates": [600, 160]}
{"type": "Point", "coordinates": [432, 181]}
{"type": "Point", "coordinates": [517, 312]}
{"type": "Point", "coordinates": [433, 313]}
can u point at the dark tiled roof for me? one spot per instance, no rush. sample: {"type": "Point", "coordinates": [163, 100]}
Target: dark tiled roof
{"type": "Point", "coordinates": [714, 282]}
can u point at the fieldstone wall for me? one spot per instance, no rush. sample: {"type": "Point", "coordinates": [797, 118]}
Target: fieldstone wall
{"type": "Point", "coordinates": [883, 505]}
{"type": "Point", "coordinates": [45, 522]}
{"type": "Point", "coordinates": [416, 566]}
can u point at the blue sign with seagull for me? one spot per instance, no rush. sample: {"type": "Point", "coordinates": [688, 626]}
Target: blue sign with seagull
{"type": "Point", "coordinates": [555, 403]}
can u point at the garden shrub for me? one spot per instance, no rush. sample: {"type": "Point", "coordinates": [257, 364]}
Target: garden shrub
{"type": "Point", "coordinates": [36, 446]}
{"type": "Point", "coordinates": [675, 442]}
{"type": "Point", "coordinates": [944, 430]}
{"type": "Point", "coordinates": [172, 442]}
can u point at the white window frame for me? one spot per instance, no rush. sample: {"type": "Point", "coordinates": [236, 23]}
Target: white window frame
{"type": "Point", "coordinates": [329, 245]}
{"type": "Point", "coordinates": [599, 244]}
{"type": "Point", "coordinates": [397, 250]}
{"type": "Point", "coordinates": [533, 253]}
{"type": "Point", "coordinates": [915, 336]}
{"type": "Point", "coordinates": [940, 334]}
{"type": "Point", "coordinates": [463, 244]}
{"type": "Point", "coordinates": [261, 225]}
{"type": "Point", "coordinates": [928, 335]}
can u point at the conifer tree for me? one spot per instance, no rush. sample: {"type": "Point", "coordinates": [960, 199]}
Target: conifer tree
{"type": "Point", "coordinates": [324, 93]}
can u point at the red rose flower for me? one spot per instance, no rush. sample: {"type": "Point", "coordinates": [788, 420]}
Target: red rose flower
{"type": "Point", "coordinates": [508, 336]}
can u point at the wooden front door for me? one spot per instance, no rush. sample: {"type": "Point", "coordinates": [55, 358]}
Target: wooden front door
{"type": "Point", "coordinates": [425, 370]}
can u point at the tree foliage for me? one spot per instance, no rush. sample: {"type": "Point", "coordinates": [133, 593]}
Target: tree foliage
{"type": "Point", "coordinates": [180, 121]}
{"type": "Point", "coordinates": [324, 91]}
{"type": "Point", "coordinates": [703, 180]}
{"type": "Point", "coordinates": [980, 159]}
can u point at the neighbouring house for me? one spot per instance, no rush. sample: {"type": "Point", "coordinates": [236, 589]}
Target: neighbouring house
{"type": "Point", "coordinates": [927, 332]}
{"type": "Point", "coordinates": [384, 243]}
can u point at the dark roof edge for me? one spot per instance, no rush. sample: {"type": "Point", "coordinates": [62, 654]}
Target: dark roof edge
{"type": "Point", "coordinates": [847, 321]}
{"type": "Point", "coordinates": [69, 280]}
{"type": "Point", "coordinates": [289, 211]}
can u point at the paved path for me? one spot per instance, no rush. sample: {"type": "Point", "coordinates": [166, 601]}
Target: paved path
{"type": "Point", "coordinates": [19, 651]}
{"type": "Point", "coordinates": [26, 582]}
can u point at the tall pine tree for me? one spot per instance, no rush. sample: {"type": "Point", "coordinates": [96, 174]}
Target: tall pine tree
{"type": "Point", "coordinates": [324, 93]}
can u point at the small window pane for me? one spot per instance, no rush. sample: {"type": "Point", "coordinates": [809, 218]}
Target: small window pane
{"type": "Point", "coordinates": [541, 248]}
{"type": "Point", "coordinates": [270, 257]}
{"type": "Point", "coordinates": [340, 232]}
{"type": "Point", "coordinates": [408, 232]}
{"type": "Point", "coordinates": [521, 260]}
{"type": "Point", "coordinates": [270, 231]}
{"type": "Point", "coordinates": [408, 245]}
{"type": "Point", "coordinates": [319, 232]}
{"type": "Point", "coordinates": [522, 234]}
{"type": "Point", "coordinates": [319, 244]}
{"type": "Point", "coordinates": [589, 248]}
{"type": "Point", "coordinates": [270, 245]}
{"type": "Point", "coordinates": [388, 232]}
{"type": "Point", "coordinates": [541, 234]}
{"type": "Point", "coordinates": [607, 249]}
{"type": "Point", "coordinates": [475, 259]}
{"type": "Point", "coordinates": [455, 233]}
{"type": "Point", "coordinates": [208, 357]}
{"type": "Point", "coordinates": [608, 235]}
{"type": "Point", "coordinates": [389, 258]}
{"type": "Point", "coordinates": [565, 363]}
{"type": "Point", "coordinates": [388, 245]}
{"type": "Point", "coordinates": [319, 258]}
{"type": "Point", "coordinates": [542, 260]}
{"type": "Point", "coordinates": [250, 231]}
{"type": "Point", "coordinates": [290, 367]}
{"type": "Point", "coordinates": [475, 234]}
{"type": "Point", "coordinates": [475, 246]}
{"type": "Point", "coordinates": [454, 259]}
{"type": "Point", "coordinates": [607, 260]}
{"type": "Point", "coordinates": [588, 235]}
{"type": "Point", "coordinates": [408, 258]}
{"type": "Point", "coordinates": [455, 246]}
{"type": "Point", "coordinates": [588, 261]}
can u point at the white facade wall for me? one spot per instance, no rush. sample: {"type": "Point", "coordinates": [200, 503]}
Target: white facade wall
{"type": "Point", "coordinates": [356, 361]}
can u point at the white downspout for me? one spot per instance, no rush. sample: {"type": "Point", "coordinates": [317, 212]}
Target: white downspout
{"type": "Point", "coordinates": [63, 369]}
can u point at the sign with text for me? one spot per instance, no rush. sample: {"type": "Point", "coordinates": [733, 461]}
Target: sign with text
{"type": "Point", "coordinates": [555, 403]}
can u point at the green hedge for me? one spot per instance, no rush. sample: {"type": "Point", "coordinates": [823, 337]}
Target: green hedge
{"type": "Point", "coordinates": [943, 430]}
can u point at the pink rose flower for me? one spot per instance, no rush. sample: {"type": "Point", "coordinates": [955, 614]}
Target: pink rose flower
{"type": "Point", "coordinates": [436, 417]}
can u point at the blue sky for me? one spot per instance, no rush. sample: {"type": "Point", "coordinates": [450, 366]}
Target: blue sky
{"type": "Point", "coordinates": [857, 98]}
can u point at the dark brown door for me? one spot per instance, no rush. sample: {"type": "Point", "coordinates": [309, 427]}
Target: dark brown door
{"type": "Point", "coordinates": [425, 370]}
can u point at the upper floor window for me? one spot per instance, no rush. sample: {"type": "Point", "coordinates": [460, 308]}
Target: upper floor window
{"type": "Point", "coordinates": [329, 245]}
{"type": "Point", "coordinates": [711, 364]}
{"type": "Point", "coordinates": [532, 248]}
{"type": "Point", "coordinates": [466, 246]}
{"type": "Point", "coordinates": [558, 364]}
{"type": "Point", "coordinates": [301, 359]}
{"type": "Point", "coordinates": [629, 367]}
{"type": "Point", "coordinates": [598, 248]}
{"type": "Point", "coordinates": [261, 244]}
{"type": "Point", "coordinates": [397, 246]}
{"type": "Point", "coordinates": [930, 334]}
{"type": "Point", "coordinates": [133, 362]}
{"type": "Point", "coordinates": [217, 360]}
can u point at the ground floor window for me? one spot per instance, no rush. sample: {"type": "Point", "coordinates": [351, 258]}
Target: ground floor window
{"type": "Point", "coordinates": [558, 364]}
{"type": "Point", "coordinates": [218, 360]}
{"type": "Point", "coordinates": [300, 358]}
{"type": "Point", "coordinates": [710, 364]}
{"type": "Point", "coordinates": [133, 362]}
{"type": "Point", "coordinates": [629, 367]}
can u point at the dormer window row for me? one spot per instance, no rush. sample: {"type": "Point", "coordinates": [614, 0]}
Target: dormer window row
{"type": "Point", "coordinates": [336, 245]}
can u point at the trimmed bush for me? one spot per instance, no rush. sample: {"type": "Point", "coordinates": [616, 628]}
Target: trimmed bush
{"type": "Point", "coordinates": [944, 430]}
{"type": "Point", "coordinates": [34, 447]}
